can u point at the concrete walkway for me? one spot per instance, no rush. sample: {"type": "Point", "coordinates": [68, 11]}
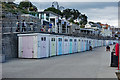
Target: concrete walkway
{"type": "Point", "coordinates": [0, 70]}
{"type": "Point", "coordinates": [90, 64]}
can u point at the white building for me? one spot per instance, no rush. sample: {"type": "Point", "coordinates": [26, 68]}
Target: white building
{"type": "Point", "coordinates": [88, 25]}
{"type": "Point", "coordinates": [54, 22]}
{"type": "Point", "coordinates": [51, 20]}
{"type": "Point", "coordinates": [106, 32]}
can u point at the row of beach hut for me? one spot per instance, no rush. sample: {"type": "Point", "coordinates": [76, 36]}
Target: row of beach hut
{"type": "Point", "coordinates": [39, 45]}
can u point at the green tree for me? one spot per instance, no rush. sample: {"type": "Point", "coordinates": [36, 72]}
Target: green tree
{"type": "Point", "coordinates": [91, 22]}
{"type": "Point", "coordinates": [82, 26]}
{"type": "Point", "coordinates": [71, 13]}
{"type": "Point", "coordinates": [27, 5]}
{"type": "Point", "coordinates": [54, 10]}
{"type": "Point", "coordinates": [116, 35]}
{"type": "Point", "coordinates": [83, 18]}
{"type": "Point", "coordinates": [71, 20]}
{"type": "Point", "coordinates": [67, 13]}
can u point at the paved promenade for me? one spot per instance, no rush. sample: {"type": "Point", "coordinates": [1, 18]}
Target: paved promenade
{"type": "Point", "coordinates": [90, 64]}
{"type": "Point", "coordinates": [0, 70]}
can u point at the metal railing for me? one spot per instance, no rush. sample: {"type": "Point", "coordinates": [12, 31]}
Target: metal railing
{"type": "Point", "coordinates": [9, 27]}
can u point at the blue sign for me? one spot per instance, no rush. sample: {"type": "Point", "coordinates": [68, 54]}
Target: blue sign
{"type": "Point", "coordinates": [56, 20]}
{"type": "Point", "coordinates": [67, 24]}
{"type": "Point", "coordinates": [50, 25]}
{"type": "Point", "coordinates": [62, 22]}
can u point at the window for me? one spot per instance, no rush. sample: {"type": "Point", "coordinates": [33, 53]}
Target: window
{"type": "Point", "coordinates": [59, 39]}
{"type": "Point", "coordinates": [44, 38]}
{"type": "Point", "coordinates": [41, 38]}
{"type": "Point", "coordinates": [66, 40]}
{"type": "Point", "coordinates": [47, 16]}
{"type": "Point", "coordinates": [70, 40]}
{"type": "Point", "coordinates": [42, 16]}
{"type": "Point", "coordinates": [52, 39]}
{"type": "Point", "coordinates": [75, 40]}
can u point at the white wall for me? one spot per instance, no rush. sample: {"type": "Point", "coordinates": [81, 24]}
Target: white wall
{"type": "Point", "coordinates": [106, 32]}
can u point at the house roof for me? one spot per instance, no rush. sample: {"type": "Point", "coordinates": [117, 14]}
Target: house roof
{"type": "Point", "coordinates": [96, 25]}
{"type": "Point", "coordinates": [51, 13]}
{"type": "Point", "coordinates": [28, 15]}
{"type": "Point", "coordinates": [87, 29]}
{"type": "Point", "coordinates": [118, 32]}
{"type": "Point", "coordinates": [105, 26]}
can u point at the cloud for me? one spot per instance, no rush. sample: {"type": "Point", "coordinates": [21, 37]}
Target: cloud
{"type": "Point", "coordinates": [86, 5]}
{"type": "Point", "coordinates": [106, 15]}
{"type": "Point", "coordinates": [71, 0]}
{"type": "Point", "coordinates": [105, 12]}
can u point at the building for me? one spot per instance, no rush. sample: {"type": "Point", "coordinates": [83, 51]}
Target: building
{"type": "Point", "coordinates": [88, 25]}
{"type": "Point", "coordinates": [87, 31]}
{"type": "Point", "coordinates": [74, 29]}
{"type": "Point", "coordinates": [95, 27]}
{"type": "Point", "coordinates": [66, 27]}
{"type": "Point", "coordinates": [54, 22]}
{"type": "Point", "coordinates": [50, 20]}
{"type": "Point", "coordinates": [115, 31]}
{"type": "Point", "coordinates": [106, 31]}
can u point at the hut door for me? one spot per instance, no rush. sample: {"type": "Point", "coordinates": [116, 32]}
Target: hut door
{"type": "Point", "coordinates": [27, 47]}
{"type": "Point", "coordinates": [43, 47]}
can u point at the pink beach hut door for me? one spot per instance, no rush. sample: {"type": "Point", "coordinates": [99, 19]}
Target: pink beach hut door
{"type": "Point", "coordinates": [27, 47]}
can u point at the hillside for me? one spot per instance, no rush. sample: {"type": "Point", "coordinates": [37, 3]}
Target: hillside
{"type": "Point", "coordinates": [19, 8]}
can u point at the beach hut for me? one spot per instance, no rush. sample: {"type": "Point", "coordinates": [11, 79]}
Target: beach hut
{"type": "Point", "coordinates": [82, 43]}
{"type": "Point", "coordinates": [93, 43]}
{"type": "Point", "coordinates": [79, 44]}
{"type": "Point", "coordinates": [75, 43]}
{"type": "Point", "coordinates": [70, 44]}
{"type": "Point", "coordinates": [53, 48]}
{"type": "Point", "coordinates": [34, 45]}
{"type": "Point", "coordinates": [66, 45]}
{"type": "Point", "coordinates": [60, 49]}
{"type": "Point", "coordinates": [85, 44]}
{"type": "Point", "coordinates": [89, 44]}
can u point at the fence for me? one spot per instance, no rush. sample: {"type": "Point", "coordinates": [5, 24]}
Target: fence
{"type": "Point", "coordinates": [9, 21]}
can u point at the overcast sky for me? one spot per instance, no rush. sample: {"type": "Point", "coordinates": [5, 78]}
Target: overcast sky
{"type": "Point", "coordinates": [105, 12]}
